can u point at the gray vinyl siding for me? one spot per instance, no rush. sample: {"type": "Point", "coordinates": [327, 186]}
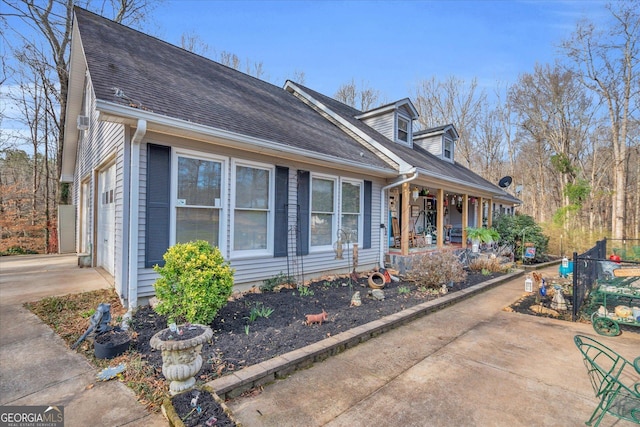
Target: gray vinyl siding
{"type": "Point", "coordinates": [99, 146]}
{"type": "Point", "coordinates": [253, 270]}
{"type": "Point", "coordinates": [432, 144]}
{"type": "Point", "coordinates": [385, 124]}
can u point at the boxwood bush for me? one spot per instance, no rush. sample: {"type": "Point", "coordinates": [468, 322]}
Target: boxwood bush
{"type": "Point", "coordinates": [194, 284]}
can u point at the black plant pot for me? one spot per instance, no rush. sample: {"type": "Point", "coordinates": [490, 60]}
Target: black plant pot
{"type": "Point", "coordinates": [111, 344]}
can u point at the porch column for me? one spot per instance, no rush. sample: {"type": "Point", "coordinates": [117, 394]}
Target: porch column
{"type": "Point", "coordinates": [465, 219]}
{"type": "Point", "coordinates": [440, 219]}
{"type": "Point", "coordinates": [489, 213]}
{"type": "Point", "coordinates": [479, 212]}
{"type": "Point", "coordinates": [404, 220]}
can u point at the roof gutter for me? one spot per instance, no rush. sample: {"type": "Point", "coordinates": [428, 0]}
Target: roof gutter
{"type": "Point", "coordinates": [134, 207]}
{"type": "Point", "coordinates": [383, 211]}
{"type": "Point", "coordinates": [111, 111]}
{"type": "Point", "coordinates": [464, 184]}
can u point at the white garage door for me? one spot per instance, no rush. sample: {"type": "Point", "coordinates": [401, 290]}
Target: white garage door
{"type": "Point", "coordinates": [105, 249]}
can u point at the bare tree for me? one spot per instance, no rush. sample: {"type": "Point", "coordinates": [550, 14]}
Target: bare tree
{"type": "Point", "coordinates": [52, 20]}
{"type": "Point", "coordinates": [490, 154]}
{"type": "Point", "coordinates": [452, 101]}
{"type": "Point", "coordinates": [553, 110]}
{"type": "Point", "coordinates": [194, 43]}
{"type": "Point", "coordinates": [364, 98]}
{"type": "Point", "coordinates": [299, 77]}
{"type": "Point", "coordinates": [607, 63]}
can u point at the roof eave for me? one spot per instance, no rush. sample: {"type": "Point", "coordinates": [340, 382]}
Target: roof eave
{"type": "Point", "coordinates": [454, 184]}
{"type": "Point", "coordinates": [75, 94]}
{"type": "Point", "coordinates": [113, 112]}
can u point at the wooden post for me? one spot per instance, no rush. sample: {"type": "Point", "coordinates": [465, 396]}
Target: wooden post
{"type": "Point", "coordinates": [489, 213]}
{"type": "Point", "coordinates": [440, 218]}
{"type": "Point", "coordinates": [479, 212]}
{"type": "Point", "coordinates": [465, 219]}
{"type": "Point", "coordinates": [405, 213]}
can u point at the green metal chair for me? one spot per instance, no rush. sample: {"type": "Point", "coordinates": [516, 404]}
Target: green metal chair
{"type": "Point", "coordinates": [614, 379]}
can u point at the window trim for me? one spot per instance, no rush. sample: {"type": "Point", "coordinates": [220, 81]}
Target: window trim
{"type": "Point", "coordinates": [335, 213]}
{"type": "Point", "coordinates": [400, 118]}
{"type": "Point", "coordinates": [175, 154]}
{"type": "Point", "coordinates": [250, 253]}
{"type": "Point", "coordinates": [446, 140]}
{"type": "Point", "coordinates": [337, 210]}
{"type": "Point", "coordinates": [360, 184]}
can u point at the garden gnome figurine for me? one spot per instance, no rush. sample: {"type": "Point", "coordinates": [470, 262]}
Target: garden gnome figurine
{"type": "Point", "coordinates": [558, 302]}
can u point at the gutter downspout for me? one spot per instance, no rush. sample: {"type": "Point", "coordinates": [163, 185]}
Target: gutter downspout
{"type": "Point", "coordinates": [134, 207]}
{"type": "Point", "coordinates": [382, 210]}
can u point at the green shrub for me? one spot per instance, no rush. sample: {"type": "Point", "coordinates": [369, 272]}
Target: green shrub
{"type": "Point", "coordinates": [435, 269]}
{"type": "Point", "coordinates": [194, 283]}
{"type": "Point", "coordinates": [513, 228]}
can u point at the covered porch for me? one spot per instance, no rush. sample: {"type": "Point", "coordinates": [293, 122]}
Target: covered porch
{"type": "Point", "coordinates": [424, 217]}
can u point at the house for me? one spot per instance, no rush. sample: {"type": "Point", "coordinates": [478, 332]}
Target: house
{"type": "Point", "coordinates": [165, 146]}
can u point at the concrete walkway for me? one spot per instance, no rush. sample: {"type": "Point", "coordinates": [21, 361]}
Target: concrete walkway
{"type": "Point", "coordinates": [471, 364]}
{"type": "Point", "coordinates": [37, 367]}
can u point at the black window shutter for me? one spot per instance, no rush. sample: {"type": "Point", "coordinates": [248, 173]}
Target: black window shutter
{"type": "Point", "coordinates": [366, 223]}
{"type": "Point", "coordinates": [304, 189]}
{"type": "Point", "coordinates": [158, 204]}
{"type": "Point", "coordinates": [281, 214]}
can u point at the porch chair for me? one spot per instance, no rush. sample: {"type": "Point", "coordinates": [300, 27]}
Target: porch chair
{"type": "Point", "coordinates": [613, 378]}
{"type": "Point", "coordinates": [397, 237]}
{"type": "Point", "coordinates": [395, 231]}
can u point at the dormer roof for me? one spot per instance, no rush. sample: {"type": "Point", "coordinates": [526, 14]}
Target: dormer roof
{"type": "Point", "coordinates": [438, 130]}
{"type": "Point", "coordinates": [405, 104]}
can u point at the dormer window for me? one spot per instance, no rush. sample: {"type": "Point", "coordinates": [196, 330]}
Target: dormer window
{"type": "Point", "coordinates": [403, 130]}
{"type": "Point", "coordinates": [448, 149]}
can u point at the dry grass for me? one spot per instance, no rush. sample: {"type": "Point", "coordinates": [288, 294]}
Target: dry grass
{"type": "Point", "coordinates": [69, 316]}
{"type": "Point", "coordinates": [490, 265]}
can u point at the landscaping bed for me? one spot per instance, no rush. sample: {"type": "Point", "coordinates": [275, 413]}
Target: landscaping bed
{"type": "Point", "coordinates": [242, 337]}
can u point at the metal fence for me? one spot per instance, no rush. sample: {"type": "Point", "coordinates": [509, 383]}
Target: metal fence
{"type": "Point", "coordinates": [595, 264]}
{"type": "Point", "coordinates": [586, 268]}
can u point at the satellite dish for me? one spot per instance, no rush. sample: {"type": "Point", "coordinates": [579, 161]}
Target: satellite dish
{"type": "Point", "coordinates": [518, 189]}
{"type": "Point", "coordinates": [505, 181]}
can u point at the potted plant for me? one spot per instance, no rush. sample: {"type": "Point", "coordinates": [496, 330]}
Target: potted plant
{"type": "Point", "coordinates": [181, 359]}
{"type": "Point", "coordinates": [194, 283]}
{"type": "Point", "coordinates": [479, 235]}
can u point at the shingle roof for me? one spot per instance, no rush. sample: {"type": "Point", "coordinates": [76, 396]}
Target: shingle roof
{"type": "Point", "coordinates": [156, 76]}
{"type": "Point", "coordinates": [416, 156]}
{"type": "Point", "coordinates": [167, 80]}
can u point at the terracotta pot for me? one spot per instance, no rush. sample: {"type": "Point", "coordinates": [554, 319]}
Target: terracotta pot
{"type": "Point", "coordinates": [181, 359]}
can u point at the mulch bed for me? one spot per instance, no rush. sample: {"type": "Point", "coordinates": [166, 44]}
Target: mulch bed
{"type": "Point", "coordinates": [240, 341]}
{"type": "Point", "coordinates": [204, 411]}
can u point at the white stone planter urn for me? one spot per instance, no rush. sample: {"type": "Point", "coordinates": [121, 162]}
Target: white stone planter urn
{"type": "Point", "coordinates": [181, 359]}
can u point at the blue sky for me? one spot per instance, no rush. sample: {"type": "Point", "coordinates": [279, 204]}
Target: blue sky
{"type": "Point", "coordinates": [388, 45]}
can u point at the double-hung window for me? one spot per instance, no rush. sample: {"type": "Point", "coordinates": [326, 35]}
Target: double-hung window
{"type": "Point", "coordinates": [351, 202]}
{"type": "Point", "coordinates": [336, 211]}
{"type": "Point", "coordinates": [253, 200]}
{"type": "Point", "coordinates": [198, 205]}
{"type": "Point", "coordinates": [403, 129]}
{"type": "Point", "coordinates": [448, 147]}
{"type": "Point", "coordinates": [323, 211]}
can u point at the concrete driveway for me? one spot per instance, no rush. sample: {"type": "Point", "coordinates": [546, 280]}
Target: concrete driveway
{"type": "Point", "coordinates": [37, 367]}
{"type": "Point", "coordinates": [470, 364]}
